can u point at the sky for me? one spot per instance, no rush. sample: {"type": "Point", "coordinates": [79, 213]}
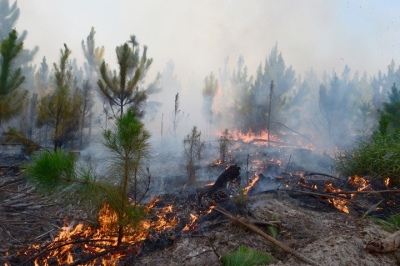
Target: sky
{"type": "Point", "coordinates": [199, 35]}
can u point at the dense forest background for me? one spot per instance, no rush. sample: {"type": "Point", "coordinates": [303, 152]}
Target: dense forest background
{"type": "Point", "coordinates": [64, 105]}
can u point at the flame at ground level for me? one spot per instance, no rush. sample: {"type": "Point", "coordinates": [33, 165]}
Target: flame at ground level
{"type": "Point", "coordinates": [340, 204]}
{"type": "Point", "coordinates": [100, 242]}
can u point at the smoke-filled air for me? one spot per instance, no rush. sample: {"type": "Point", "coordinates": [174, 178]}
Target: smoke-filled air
{"type": "Point", "coordinates": [144, 98]}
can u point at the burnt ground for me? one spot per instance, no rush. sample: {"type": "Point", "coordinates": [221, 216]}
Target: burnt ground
{"type": "Point", "coordinates": [328, 237]}
{"type": "Point", "coordinates": [307, 224]}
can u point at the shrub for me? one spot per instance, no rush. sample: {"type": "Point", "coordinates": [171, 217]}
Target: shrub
{"type": "Point", "coordinates": [392, 224]}
{"type": "Point", "coordinates": [244, 256]}
{"type": "Point", "coordinates": [379, 158]}
{"type": "Point", "coordinates": [50, 169]}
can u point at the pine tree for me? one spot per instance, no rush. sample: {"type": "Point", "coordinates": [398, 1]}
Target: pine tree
{"type": "Point", "coordinates": [12, 97]}
{"type": "Point", "coordinates": [176, 116]}
{"type": "Point", "coordinates": [8, 17]}
{"type": "Point", "coordinates": [210, 90]}
{"type": "Point", "coordinates": [390, 115]}
{"type": "Point", "coordinates": [94, 55]}
{"type": "Point", "coordinates": [193, 147]}
{"type": "Point", "coordinates": [284, 79]}
{"type": "Point", "coordinates": [129, 143]}
{"type": "Point", "coordinates": [122, 91]}
{"type": "Point", "coordinates": [335, 104]}
{"type": "Point", "coordinates": [86, 91]}
{"type": "Point", "coordinates": [242, 102]}
{"type": "Point", "coordinates": [42, 84]}
{"type": "Point", "coordinates": [60, 108]}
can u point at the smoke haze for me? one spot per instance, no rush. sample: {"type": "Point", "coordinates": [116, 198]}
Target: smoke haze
{"type": "Point", "coordinates": [198, 36]}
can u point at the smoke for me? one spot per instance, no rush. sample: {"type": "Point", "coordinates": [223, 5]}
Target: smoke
{"type": "Point", "coordinates": [190, 39]}
{"type": "Point", "coordinates": [198, 36]}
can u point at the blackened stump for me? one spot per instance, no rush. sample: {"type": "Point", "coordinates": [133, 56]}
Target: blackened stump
{"type": "Point", "coordinates": [230, 175]}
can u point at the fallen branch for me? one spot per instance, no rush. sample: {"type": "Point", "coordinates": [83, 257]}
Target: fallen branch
{"type": "Point", "coordinates": [321, 174]}
{"type": "Point", "coordinates": [384, 245]}
{"type": "Point", "coordinates": [54, 246]}
{"type": "Point", "coordinates": [269, 238]}
{"type": "Point", "coordinates": [328, 195]}
{"type": "Point", "coordinates": [366, 192]}
{"type": "Point", "coordinates": [336, 194]}
{"type": "Point", "coordinates": [372, 208]}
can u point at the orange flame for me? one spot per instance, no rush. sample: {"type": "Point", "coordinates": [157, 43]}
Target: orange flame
{"type": "Point", "coordinates": [359, 182]}
{"type": "Point", "coordinates": [190, 225]}
{"type": "Point", "coordinates": [97, 240]}
{"type": "Point", "coordinates": [387, 180]}
{"type": "Point", "coordinates": [339, 204]}
{"type": "Point", "coordinates": [255, 179]}
{"type": "Point", "coordinates": [250, 136]}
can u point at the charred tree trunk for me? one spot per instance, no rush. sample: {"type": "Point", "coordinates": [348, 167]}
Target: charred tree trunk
{"type": "Point", "coordinates": [231, 174]}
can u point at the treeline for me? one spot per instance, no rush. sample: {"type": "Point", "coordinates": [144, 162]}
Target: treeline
{"type": "Point", "coordinates": [330, 111]}
{"type": "Point", "coordinates": [57, 104]}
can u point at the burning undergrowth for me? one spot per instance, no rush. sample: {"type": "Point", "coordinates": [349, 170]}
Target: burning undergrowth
{"type": "Point", "coordinates": [87, 244]}
{"type": "Point", "coordinates": [167, 217]}
{"type": "Point", "coordinates": [258, 169]}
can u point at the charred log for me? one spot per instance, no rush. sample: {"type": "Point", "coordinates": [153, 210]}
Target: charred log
{"type": "Point", "coordinates": [230, 175]}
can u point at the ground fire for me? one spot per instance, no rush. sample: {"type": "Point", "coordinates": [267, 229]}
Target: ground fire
{"type": "Point", "coordinates": [171, 217]}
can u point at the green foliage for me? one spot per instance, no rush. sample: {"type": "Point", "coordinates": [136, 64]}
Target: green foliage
{"type": "Point", "coordinates": [390, 115]}
{"type": "Point", "coordinates": [11, 96]}
{"type": "Point", "coordinates": [240, 197]}
{"type": "Point", "coordinates": [123, 90]}
{"type": "Point", "coordinates": [8, 17]}
{"type": "Point", "coordinates": [392, 224]}
{"type": "Point", "coordinates": [273, 231]}
{"type": "Point", "coordinates": [244, 256]}
{"type": "Point", "coordinates": [94, 55]}
{"type": "Point", "coordinates": [61, 109]}
{"type": "Point", "coordinates": [378, 158]}
{"type": "Point", "coordinates": [126, 213]}
{"type": "Point", "coordinates": [129, 144]}
{"type": "Point", "coordinates": [50, 170]}
{"type": "Point", "coordinates": [262, 105]}
{"type": "Point", "coordinates": [14, 136]}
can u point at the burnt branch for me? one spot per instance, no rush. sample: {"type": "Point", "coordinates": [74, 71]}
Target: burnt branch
{"type": "Point", "coordinates": [267, 237]}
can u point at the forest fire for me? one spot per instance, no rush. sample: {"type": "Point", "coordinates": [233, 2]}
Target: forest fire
{"type": "Point", "coordinates": [265, 139]}
{"type": "Point", "coordinates": [251, 184]}
{"type": "Point", "coordinates": [252, 137]}
{"type": "Point", "coordinates": [338, 203]}
{"type": "Point", "coordinates": [387, 181]}
{"type": "Point", "coordinates": [191, 224]}
{"type": "Point", "coordinates": [359, 182]}
{"type": "Point", "coordinates": [90, 245]}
